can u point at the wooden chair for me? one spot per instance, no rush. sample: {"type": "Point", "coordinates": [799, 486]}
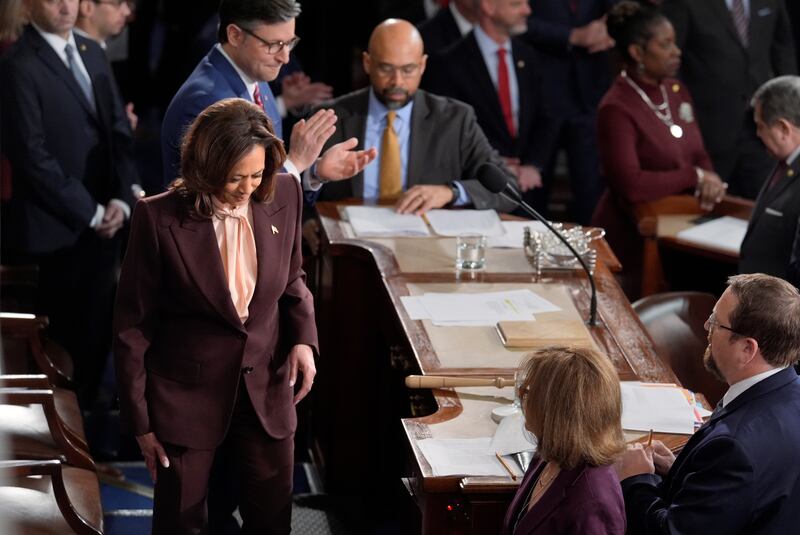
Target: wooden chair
{"type": "Point", "coordinates": [674, 321]}
{"type": "Point", "coordinates": [645, 217]}
{"type": "Point", "coordinates": [48, 497]}
{"type": "Point", "coordinates": [26, 349]}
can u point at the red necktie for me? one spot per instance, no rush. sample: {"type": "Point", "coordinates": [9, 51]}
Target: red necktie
{"type": "Point", "coordinates": [257, 98]}
{"type": "Point", "coordinates": [504, 91]}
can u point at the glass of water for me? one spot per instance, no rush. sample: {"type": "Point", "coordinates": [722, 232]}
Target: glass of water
{"type": "Point", "coordinates": [470, 251]}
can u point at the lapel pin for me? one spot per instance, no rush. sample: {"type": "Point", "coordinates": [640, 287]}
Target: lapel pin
{"type": "Point", "coordinates": [275, 230]}
{"type": "Point", "coordinates": [676, 88]}
{"type": "Point", "coordinates": [520, 64]}
{"type": "Point", "coordinates": [790, 172]}
{"type": "Point", "coordinates": [83, 47]}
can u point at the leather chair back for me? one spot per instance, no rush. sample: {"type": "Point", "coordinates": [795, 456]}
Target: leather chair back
{"type": "Point", "coordinates": [674, 321]}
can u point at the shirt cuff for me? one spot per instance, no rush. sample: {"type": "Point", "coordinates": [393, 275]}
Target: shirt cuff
{"type": "Point", "coordinates": [126, 209]}
{"type": "Point", "coordinates": [463, 197]}
{"type": "Point", "coordinates": [99, 213]}
{"type": "Point", "coordinates": [291, 168]}
{"type": "Point", "coordinates": [311, 182]}
{"type": "Point", "coordinates": [281, 105]}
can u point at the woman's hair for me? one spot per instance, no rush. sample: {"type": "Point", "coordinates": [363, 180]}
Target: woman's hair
{"type": "Point", "coordinates": [630, 23]}
{"type": "Point", "coordinates": [572, 403]}
{"type": "Point", "coordinates": [13, 16]}
{"type": "Point", "coordinates": [217, 139]}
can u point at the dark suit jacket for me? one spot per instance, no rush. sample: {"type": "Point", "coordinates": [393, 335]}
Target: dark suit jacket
{"type": "Point", "coordinates": [721, 74]}
{"type": "Point", "coordinates": [179, 343]}
{"type": "Point", "coordinates": [66, 158]}
{"type": "Point", "coordinates": [737, 474]}
{"type": "Point", "coordinates": [772, 242]}
{"type": "Point", "coordinates": [446, 144]}
{"type": "Point", "coordinates": [460, 72]}
{"type": "Point", "coordinates": [575, 80]}
{"type": "Point", "coordinates": [586, 500]}
{"type": "Point", "coordinates": [439, 31]}
{"type": "Point", "coordinates": [212, 80]}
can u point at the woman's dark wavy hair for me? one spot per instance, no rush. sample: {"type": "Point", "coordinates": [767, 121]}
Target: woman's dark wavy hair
{"type": "Point", "coordinates": [630, 23]}
{"type": "Point", "coordinates": [216, 140]}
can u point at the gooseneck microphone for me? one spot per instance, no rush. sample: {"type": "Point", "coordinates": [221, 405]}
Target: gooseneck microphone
{"type": "Point", "coordinates": [496, 181]}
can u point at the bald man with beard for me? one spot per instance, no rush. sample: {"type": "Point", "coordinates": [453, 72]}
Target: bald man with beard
{"type": "Point", "coordinates": [429, 155]}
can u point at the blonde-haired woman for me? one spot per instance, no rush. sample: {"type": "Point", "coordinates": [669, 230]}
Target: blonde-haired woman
{"type": "Point", "coordinates": [571, 401]}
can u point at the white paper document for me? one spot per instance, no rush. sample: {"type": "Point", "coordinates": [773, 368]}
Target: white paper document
{"type": "Point", "coordinates": [477, 309]}
{"type": "Point", "coordinates": [725, 233]}
{"type": "Point", "coordinates": [511, 437]}
{"type": "Point", "coordinates": [663, 409]}
{"type": "Point", "coordinates": [455, 222]}
{"type": "Point", "coordinates": [514, 234]}
{"type": "Point", "coordinates": [382, 221]}
{"type": "Point", "coordinates": [463, 457]}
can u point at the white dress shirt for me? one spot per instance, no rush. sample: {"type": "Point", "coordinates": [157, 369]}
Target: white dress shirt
{"type": "Point", "coordinates": [489, 50]}
{"type": "Point", "coordinates": [737, 389]}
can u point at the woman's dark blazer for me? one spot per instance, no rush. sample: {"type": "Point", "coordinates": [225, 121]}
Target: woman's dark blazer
{"type": "Point", "coordinates": [180, 347]}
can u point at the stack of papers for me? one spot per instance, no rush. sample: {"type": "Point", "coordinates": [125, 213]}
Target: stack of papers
{"type": "Point", "coordinates": [514, 234]}
{"type": "Point", "coordinates": [662, 408]}
{"type": "Point", "coordinates": [380, 221]}
{"type": "Point", "coordinates": [476, 309]}
{"type": "Point", "coordinates": [511, 437]}
{"type": "Point", "coordinates": [455, 222]}
{"type": "Point", "coordinates": [725, 233]}
{"type": "Point", "coordinates": [464, 457]}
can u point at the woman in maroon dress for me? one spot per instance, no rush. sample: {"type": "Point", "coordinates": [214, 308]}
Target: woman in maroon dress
{"type": "Point", "coordinates": [649, 141]}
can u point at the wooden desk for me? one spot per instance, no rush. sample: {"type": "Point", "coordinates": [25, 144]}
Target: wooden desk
{"type": "Point", "coordinates": [369, 345]}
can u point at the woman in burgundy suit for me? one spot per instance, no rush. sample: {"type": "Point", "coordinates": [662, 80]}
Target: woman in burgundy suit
{"type": "Point", "coordinates": [572, 405]}
{"type": "Point", "coordinates": [214, 323]}
{"type": "Point", "coordinates": [649, 141]}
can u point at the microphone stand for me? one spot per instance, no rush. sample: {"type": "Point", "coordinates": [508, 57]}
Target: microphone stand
{"type": "Point", "coordinates": [508, 192]}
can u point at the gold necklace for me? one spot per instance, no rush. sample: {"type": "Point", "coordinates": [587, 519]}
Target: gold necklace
{"type": "Point", "coordinates": [542, 484]}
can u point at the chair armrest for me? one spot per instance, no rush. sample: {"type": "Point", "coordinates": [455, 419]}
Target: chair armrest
{"type": "Point", "coordinates": [24, 381]}
{"type": "Point", "coordinates": [67, 443]}
{"type": "Point", "coordinates": [31, 328]}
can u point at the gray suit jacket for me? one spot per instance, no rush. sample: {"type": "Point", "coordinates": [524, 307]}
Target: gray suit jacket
{"type": "Point", "coordinates": [446, 144]}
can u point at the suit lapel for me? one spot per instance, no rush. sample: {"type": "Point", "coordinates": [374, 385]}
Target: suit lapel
{"type": "Point", "coordinates": [480, 73]}
{"type": "Point", "coordinates": [100, 97]}
{"type": "Point", "coordinates": [227, 71]}
{"type": "Point", "coordinates": [354, 125]}
{"type": "Point", "coordinates": [54, 63]}
{"type": "Point", "coordinates": [524, 92]}
{"type": "Point", "coordinates": [267, 233]}
{"type": "Point", "coordinates": [767, 194]}
{"type": "Point", "coordinates": [197, 245]}
{"type": "Point", "coordinates": [419, 140]}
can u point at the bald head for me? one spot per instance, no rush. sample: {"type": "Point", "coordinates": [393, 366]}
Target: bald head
{"type": "Point", "coordinates": [395, 62]}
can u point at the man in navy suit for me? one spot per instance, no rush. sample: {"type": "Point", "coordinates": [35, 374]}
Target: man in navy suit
{"type": "Point", "coordinates": [739, 472]}
{"type": "Point", "coordinates": [255, 38]}
{"type": "Point", "coordinates": [69, 144]}
{"type": "Point", "coordinates": [448, 25]}
{"type": "Point", "coordinates": [571, 39]}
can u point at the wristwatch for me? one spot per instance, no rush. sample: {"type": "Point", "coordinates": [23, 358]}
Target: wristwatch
{"type": "Point", "coordinates": [456, 193]}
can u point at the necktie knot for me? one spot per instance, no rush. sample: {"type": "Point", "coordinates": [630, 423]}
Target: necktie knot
{"type": "Point", "coordinates": [257, 97]}
{"type": "Point", "coordinates": [69, 51]}
{"type": "Point", "coordinates": [390, 116]}
{"type": "Point", "coordinates": [501, 53]}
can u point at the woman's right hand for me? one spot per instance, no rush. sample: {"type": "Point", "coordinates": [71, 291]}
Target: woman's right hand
{"type": "Point", "coordinates": [710, 189]}
{"type": "Point", "coordinates": [153, 451]}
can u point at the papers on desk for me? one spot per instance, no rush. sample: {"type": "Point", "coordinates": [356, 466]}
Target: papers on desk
{"type": "Point", "coordinates": [463, 457]}
{"type": "Point", "coordinates": [476, 309]}
{"type": "Point", "coordinates": [514, 234]}
{"type": "Point", "coordinates": [455, 222]}
{"type": "Point", "coordinates": [510, 436]}
{"type": "Point", "coordinates": [662, 408]}
{"type": "Point", "coordinates": [380, 221]}
{"type": "Point", "coordinates": [725, 233]}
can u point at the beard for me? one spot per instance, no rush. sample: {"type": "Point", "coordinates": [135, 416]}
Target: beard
{"type": "Point", "coordinates": [711, 365]}
{"type": "Point", "coordinates": [518, 29]}
{"type": "Point", "coordinates": [384, 95]}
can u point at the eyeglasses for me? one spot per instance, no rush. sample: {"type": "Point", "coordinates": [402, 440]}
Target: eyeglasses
{"type": "Point", "coordinates": [275, 47]}
{"type": "Point", "coordinates": [406, 71]}
{"type": "Point", "coordinates": [712, 323]}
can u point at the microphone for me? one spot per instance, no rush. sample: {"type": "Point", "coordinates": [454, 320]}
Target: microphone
{"type": "Point", "coordinates": [496, 181]}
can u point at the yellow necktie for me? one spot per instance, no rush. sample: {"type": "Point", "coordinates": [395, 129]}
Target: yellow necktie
{"type": "Point", "coordinates": [391, 183]}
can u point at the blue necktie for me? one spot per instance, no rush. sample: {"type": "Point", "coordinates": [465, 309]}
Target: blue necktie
{"type": "Point", "coordinates": [83, 81]}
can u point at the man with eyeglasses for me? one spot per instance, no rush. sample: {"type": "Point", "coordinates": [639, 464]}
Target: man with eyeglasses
{"type": "Point", "coordinates": [255, 39]}
{"type": "Point", "coordinates": [429, 147]}
{"type": "Point", "coordinates": [739, 472]}
{"type": "Point", "coordinates": [71, 152]}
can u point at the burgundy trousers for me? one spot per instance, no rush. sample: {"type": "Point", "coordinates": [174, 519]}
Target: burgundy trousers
{"type": "Point", "coordinates": [263, 470]}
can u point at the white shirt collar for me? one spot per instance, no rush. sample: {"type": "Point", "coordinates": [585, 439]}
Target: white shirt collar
{"type": "Point", "coordinates": [487, 44]}
{"type": "Point", "coordinates": [248, 82]}
{"type": "Point", "coordinates": [57, 43]}
{"type": "Point", "coordinates": [464, 26]}
{"type": "Point", "coordinates": [793, 156]}
{"type": "Point", "coordinates": [82, 33]}
{"type": "Point", "coordinates": [737, 389]}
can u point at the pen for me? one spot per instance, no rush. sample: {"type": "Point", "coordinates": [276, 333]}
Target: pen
{"type": "Point", "coordinates": [505, 465]}
{"type": "Point", "coordinates": [650, 438]}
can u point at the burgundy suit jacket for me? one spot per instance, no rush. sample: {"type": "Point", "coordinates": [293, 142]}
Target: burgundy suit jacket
{"type": "Point", "coordinates": [179, 343]}
{"type": "Point", "coordinates": [586, 500]}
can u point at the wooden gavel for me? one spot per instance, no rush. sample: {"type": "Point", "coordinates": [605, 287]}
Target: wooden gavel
{"type": "Point", "coordinates": [439, 381]}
